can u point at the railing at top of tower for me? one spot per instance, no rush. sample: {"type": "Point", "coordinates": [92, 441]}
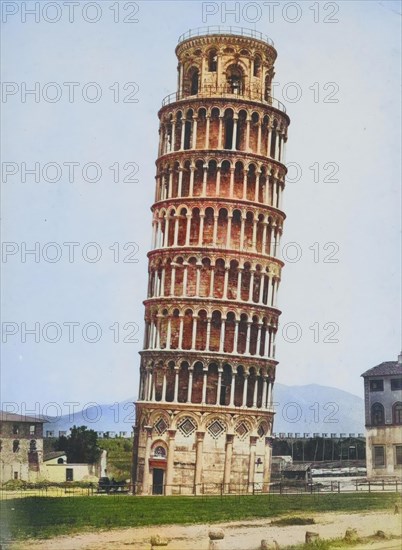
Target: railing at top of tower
{"type": "Point", "coordinates": [218, 29]}
{"type": "Point", "coordinates": [226, 91]}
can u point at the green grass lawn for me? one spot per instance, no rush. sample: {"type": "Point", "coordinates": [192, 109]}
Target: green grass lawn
{"type": "Point", "coordinates": [43, 517]}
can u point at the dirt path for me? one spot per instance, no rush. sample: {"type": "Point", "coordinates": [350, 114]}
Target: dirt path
{"type": "Point", "coordinates": [245, 535]}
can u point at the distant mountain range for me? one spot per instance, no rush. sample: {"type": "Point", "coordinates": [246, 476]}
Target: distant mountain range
{"type": "Point", "coordinates": [299, 409]}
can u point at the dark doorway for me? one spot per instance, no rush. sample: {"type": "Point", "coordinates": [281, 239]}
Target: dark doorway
{"type": "Point", "coordinates": [69, 474]}
{"type": "Point", "coordinates": [157, 481]}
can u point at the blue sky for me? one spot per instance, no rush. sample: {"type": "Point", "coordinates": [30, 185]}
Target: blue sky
{"type": "Point", "coordinates": [360, 213]}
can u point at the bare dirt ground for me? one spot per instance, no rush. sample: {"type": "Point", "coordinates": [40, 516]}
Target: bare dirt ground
{"type": "Point", "coordinates": [245, 535]}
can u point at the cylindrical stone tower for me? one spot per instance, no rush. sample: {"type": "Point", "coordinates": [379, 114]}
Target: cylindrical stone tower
{"type": "Point", "coordinates": [204, 413]}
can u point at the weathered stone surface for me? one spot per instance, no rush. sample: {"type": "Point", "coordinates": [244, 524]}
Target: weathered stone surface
{"type": "Point", "coordinates": [311, 536]}
{"type": "Point", "coordinates": [157, 541]}
{"type": "Point", "coordinates": [267, 545]}
{"type": "Point", "coordinates": [216, 534]}
{"type": "Point", "coordinates": [351, 535]}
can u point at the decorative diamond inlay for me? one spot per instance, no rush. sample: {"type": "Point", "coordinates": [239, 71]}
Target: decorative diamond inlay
{"type": "Point", "coordinates": [187, 426]}
{"type": "Point", "coordinates": [262, 429]}
{"type": "Point", "coordinates": [161, 426]}
{"type": "Point", "coordinates": [242, 430]}
{"type": "Point", "coordinates": [216, 428]}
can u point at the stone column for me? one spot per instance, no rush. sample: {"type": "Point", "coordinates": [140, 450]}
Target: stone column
{"type": "Point", "coordinates": [242, 227]}
{"type": "Point", "coordinates": [198, 279]}
{"type": "Point", "coordinates": [170, 463]}
{"type": "Point", "coordinates": [264, 237]}
{"type": "Point", "coordinates": [251, 287]}
{"type": "Point", "coordinates": [146, 479]}
{"type": "Point", "coordinates": [162, 287]}
{"type": "Point", "coordinates": [172, 143]}
{"type": "Point", "coordinates": [172, 284]}
{"type": "Point", "coordinates": [228, 462]}
{"type": "Point", "coordinates": [225, 283]}
{"type": "Point", "coordinates": [201, 235]}
{"type": "Point", "coordinates": [244, 186]}
{"type": "Point", "coordinates": [194, 334]}
{"type": "Point", "coordinates": [254, 243]}
{"type": "Point", "coordinates": [176, 229]}
{"type": "Point", "coordinates": [179, 187]}
{"type": "Point", "coordinates": [267, 465]}
{"type": "Point", "coordinates": [220, 133]}
{"type": "Point", "coordinates": [204, 386]}
{"type": "Point", "coordinates": [262, 281]}
{"type": "Point", "coordinates": [191, 186]}
{"type": "Point", "coordinates": [244, 403]}
{"type": "Point", "coordinates": [208, 333]}
{"type": "Point", "coordinates": [259, 138]}
{"type": "Point", "coordinates": [234, 137]}
{"type": "Point", "coordinates": [258, 344]}
{"type": "Point", "coordinates": [218, 181]}
{"type": "Point", "coordinates": [264, 393]}
{"type": "Point", "coordinates": [190, 384]}
{"type": "Point", "coordinates": [215, 230]}
{"type": "Point", "coordinates": [255, 392]}
{"type": "Point", "coordinates": [183, 129]}
{"type": "Point", "coordinates": [204, 180]}
{"type": "Point", "coordinates": [238, 291]}
{"type": "Point", "coordinates": [251, 465]}
{"type": "Point", "coordinates": [168, 333]}
{"type": "Point", "coordinates": [218, 390]}
{"type": "Point", "coordinates": [229, 231]}
{"type": "Point", "coordinates": [277, 140]}
{"type": "Point", "coordinates": [176, 384]}
{"type": "Point", "coordinates": [269, 142]}
{"type": "Point", "coordinates": [269, 398]}
{"type": "Point", "coordinates": [194, 145]}
{"type": "Point", "coordinates": [166, 235]}
{"type": "Point", "coordinates": [170, 184]}
{"type": "Point", "coordinates": [257, 187]}
{"type": "Point", "coordinates": [208, 119]}
{"type": "Point", "coordinates": [236, 336]}
{"type": "Point", "coordinates": [164, 385]}
{"type": "Point", "coordinates": [266, 341]}
{"type": "Point", "coordinates": [232, 390]}
{"type": "Point", "coordinates": [248, 135]}
{"type": "Point", "coordinates": [198, 462]}
{"type": "Point", "coordinates": [248, 337]}
{"type": "Point", "coordinates": [188, 229]}
{"type": "Point", "coordinates": [181, 329]}
{"type": "Point", "coordinates": [211, 283]}
{"type": "Point", "coordinates": [222, 336]}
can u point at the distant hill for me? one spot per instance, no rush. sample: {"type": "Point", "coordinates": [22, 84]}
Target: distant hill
{"type": "Point", "coordinates": [299, 409]}
{"type": "Point", "coordinates": [315, 408]}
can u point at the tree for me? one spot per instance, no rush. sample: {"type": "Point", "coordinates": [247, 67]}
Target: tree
{"type": "Point", "coordinates": [80, 446]}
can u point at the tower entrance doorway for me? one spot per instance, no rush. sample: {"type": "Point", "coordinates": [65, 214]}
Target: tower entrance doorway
{"type": "Point", "coordinates": [158, 478]}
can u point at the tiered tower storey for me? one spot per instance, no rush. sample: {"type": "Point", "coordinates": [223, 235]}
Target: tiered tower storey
{"type": "Point", "coordinates": [204, 412]}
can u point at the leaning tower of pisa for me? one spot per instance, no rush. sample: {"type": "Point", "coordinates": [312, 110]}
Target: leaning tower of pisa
{"type": "Point", "coordinates": [204, 412]}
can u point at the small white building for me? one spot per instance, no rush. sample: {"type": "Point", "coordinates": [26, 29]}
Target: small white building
{"type": "Point", "coordinates": [56, 468]}
{"type": "Point", "coordinates": [383, 412]}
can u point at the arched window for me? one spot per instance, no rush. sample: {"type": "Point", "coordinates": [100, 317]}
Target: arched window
{"type": "Point", "coordinates": [212, 61]}
{"type": "Point", "coordinates": [235, 80]}
{"type": "Point", "coordinates": [397, 413]}
{"type": "Point", "coordinates": [60, 461]}
{"type": "Point", "coordinates": [257, 65]}
{"type": "Point", "coordinates": [377, 415]}
{"type": "Point", "coordinates": [160, 452]}
{"type": "Point", "coordinates": [32, 445]}
{"type": "Point", "coordinates": [194, 82]}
